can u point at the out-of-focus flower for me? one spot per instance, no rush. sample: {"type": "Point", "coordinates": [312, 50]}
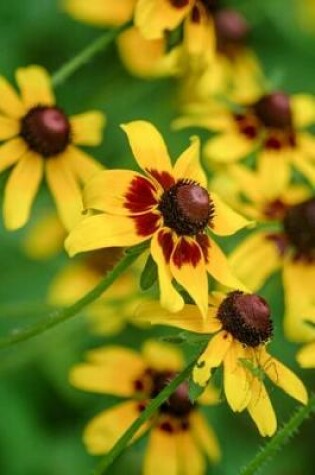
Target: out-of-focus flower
{"type": "Point", "coordinates": [171, 207]}
{"type": "Point", "coordinates": [242, 326]}
{"type": "Point", "coordinates": [306, 356]}
{"type": "Point", "coordinates": [40, 139]}
{"type": "Point", "coordinates": [179, 434]}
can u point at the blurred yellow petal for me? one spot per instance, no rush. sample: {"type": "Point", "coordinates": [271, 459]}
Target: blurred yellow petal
{"type": "Point", "coordinates": [274, 183]}
{"type": "Point", "coordinates": [248, 182]}
{"type": "Point", "coordinates": [188, 164]}
{"type": "Point", "coordinates": [226, 221]}
{"type": "Point", "coordinates": [100, 12]}
{"type": "Point", "coordinates": [205, 436]}
{"type": "Point", "coordinates": [191, 460]}
{"type": "Point", "coordinates": [162, 356]}
{"type": "Point", "coordinates": [210, 396]}
{"type": "Point", "coordinates": [45, 238]}
{"type": "Point", "coordinates": [21, 189]}
{"type": "Point", "coordinates": [35, 86]}
{"type": "Point", "coordinates": [11, 104]}
{"type": "Point", "coordinates": [236, 383]}
{"type": "Point", "coordinates": [261, 410]}
{"type": "Point", "coordinates": [305, 165]}
{"type": "Point", "coordinates": [8, 127]}
{"type": "Point", "coordinates": [83, 165]}
{"type": "Point", "coordinates": [65, 190]}
{"type": "Point", "coordinates": [11, 152]}
{"type": "Point", "coordinates": [87, 128]}
{"type": "Point", "coordinates": [255, 259]}
{"type": "Point", "coordinates": [303, 110]}
{"type": "Point", "coordinates": [306, 356]}
{"type": "Point", "coordinates": [228, 148]}
{"type": "Point", "coordinates": [161, 454]}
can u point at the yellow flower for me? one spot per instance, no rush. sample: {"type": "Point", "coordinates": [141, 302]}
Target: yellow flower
{"type": "Point", "coordinates": [179, 433]}
{"type": "Point", "coordinates": [100, 12]}
{"type": "Point", "coordinates": [170, 206]}
{"type": "Point", "coordinates": [289, 247]}
{"type": "Point", "coordinates": [242, 326]}
{"type": "Point", "coordinates": [272, 127]}
{"type": "Point", "coordinates": [306, 356]}
{"type": "Point", "coordinates": [41, 139]}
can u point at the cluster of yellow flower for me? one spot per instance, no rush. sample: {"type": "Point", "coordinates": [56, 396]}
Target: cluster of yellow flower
{"type": "Point", "coordinates": [262, 159]}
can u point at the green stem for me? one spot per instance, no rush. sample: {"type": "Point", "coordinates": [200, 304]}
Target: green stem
{"type": "Point", "coordinates": [86, 54]}
{"type": "Point", "coordinates": [59, 316]}
{"type": "Point", "coordinates": [280, 439]}
{"type": "Point", "coordinates": [121, 444]}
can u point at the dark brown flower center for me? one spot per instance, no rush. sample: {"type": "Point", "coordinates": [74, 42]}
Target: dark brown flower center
{"type": "Point", "coordinates": [178, 404]}
{"type": "Point", "coordinates": [46, 130]}
{"type": "Point", "coordinates": [186, 208]}
{"type": "Point", "coordinates": [299, 226]}
{"type": "Point", "coordinates": [246, 317]}
{"type": "Point", "coordinates": [231, 29]}
{"type": "Point", "coordinates": [274, 110]}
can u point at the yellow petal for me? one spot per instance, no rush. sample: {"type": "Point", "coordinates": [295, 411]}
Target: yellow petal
{"type": "Point", "coordinates": [83, 165]}
{"type": "Point", "coordinates": [11, 152]}
{"type": "Point", "coordinates": [162, 243]}
{"type": "Point", "coordinates": [303, 110]}
{"type": "Point", "coordinates": [305, 165]}
{"type": "Point", "coordinates": [188, 164]}
{"type": "Point", "coordinates": [104, 430]}
{"type": "Point", "coordinates": [148, 147]}
{"type": "Point", "coordinates": [45, 238]}
{"type": "Point", "coordinates": [162, 356]}
{"type": "Point", "coordinates": [283, 377]}
{"type": "Point", "coordinates": [100, 12]}
{"type": "Point", "coordinates": [255, 260]}
{"type": "Point", "coordinates": [96, 232]}
{"type": "Point", "coordinates": [212, 357]}
{"type": "Point", "coordinates": [197, 34]}
{"type": "Point", "coordinates": [11, 104]}
{"type": "Point", "coordinates": [306, 356]}
{"type": "Point", "coordinates": [21, 189]}
{"type": "Point", "coordinates": [132, 193]}
{"type": "Point", "coordinates": [248, 181]}
{"type": "Point", "coordinates": [210, 396]}
{"type": "Point", "coordinates": [190, 458]}
{"type": "Point", "coordinates": [188, 268]}
{"type": "Point", "coordinates": [87, 128]}
{"type": "Point", "coordinates": [274, 183]}
{"type": "Point", "coordinates": [8, 127]}
{"type": "Point", "coordinates": [219, 268]}
{"type": "Point", "coordinates": [229, 147]}
{"type": "Point", "coordinates": [161, 454]}
{"type": "Point", "coordinates": [226, 221]}
{"type": "Point", "coordinates": [153, 17]}
{"type": "Point", "coordinates": [205, 436]}
{"type": "Point", "coordinates": [65, 190]}
{"type": "Point", "coordinates": [35, 85]}
{"type": "Point", "coordinates": [103, 371]}
{"type": "Point", "coordinates": [236, 383]}
{"type": "Point", "coordinates": [261, 410]}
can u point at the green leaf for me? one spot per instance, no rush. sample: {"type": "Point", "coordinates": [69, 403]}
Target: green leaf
{"type": "Point", "coordinates": [195, 390]}
{"type": "Point", "coordinates": [149, 274]}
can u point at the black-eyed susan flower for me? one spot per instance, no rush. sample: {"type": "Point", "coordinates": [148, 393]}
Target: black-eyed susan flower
{"type": "Point", "coordinates": [40, 139]}
{"type": "Point", "coordinates": [243, 327]}
{"type": "Point", "coordinates": [170, 206]}
{"type": "Point", "coordinates": [179, 433]}
{"type": "Point", "coordinates": [274, 127]}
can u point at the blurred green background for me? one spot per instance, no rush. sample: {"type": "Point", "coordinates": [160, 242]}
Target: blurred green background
{"type": "Point", "coordinates": [41, 416]}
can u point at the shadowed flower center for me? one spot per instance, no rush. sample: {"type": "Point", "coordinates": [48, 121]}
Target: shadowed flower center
{"type": "Point", "coordinates": [231, 29]}
{"type": "Point", "coordinates": [178, 404]}
{"type": "Point", "coordinates": [274, 110]}
{"type": "Point", "coordinates": [299, 226]}
{"type": "Point", "coordinates": [46, 130]}
{"type": "Point", "coordinates": [186, 208]}
{"type": "Point", "coordinates": [246, 317]}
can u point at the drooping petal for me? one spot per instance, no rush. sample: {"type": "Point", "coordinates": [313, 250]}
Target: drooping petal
{"type": "Point", "coordinates": [21, 189]}
{"type": "Point", "coordinates": [161, 454]}
{"type": "Point", "coordinates": [255, 260]}
{"type": "Point", "coordinates": [103, 371]}
{"type": "Point", "coordinates": [283, 377]}
{"type": "Point", "coordinates": [35, 86]}
{"type": "Point", "coordinates": [228, 147]}
{"type": "Point", "coordinates": [226, 221]}
{"type": "Point", "coordinates": [96, 232]}
{"type": "Point", "coordinates": [100, 12]}
{"type": "Point", "coordinates": [11, 152]}
{"type": "Point", "coordinates": [87, 128]}
{"type": "Point", "coordinates": [190, 458]}
{"type": "Point", "coordinates": [236, 383]}
{"type": "Point", "coordinates": [212, 357]}
{"type": "Point", "coordinates": [261, 410]}
{"type": "Point", "coordinates": [187, 265]}
{"type": "Point", "coordinates": [132, 193]}
{"type": "Point", "coordinates": [219, 268]}
{"type": "Point", "coordinates": [11, 104]}
{"type": "Point", "coordinates": [162, 245]}
{"type": "Point", "coordinates": [154, 17]}
{"type": "Point", "coordinates": [306, 356]}
{"type": "Point", "coordinates": [65, 190]}
{"type": "Point", "coordinates": [162, 356]}
{"type": "Point", "coordinates": [149, 149]}
{"type": "Point", "coordinates": [303, 110]}
{"type": "Point", "coordinates": [205, 436]}
{"type": "Point", "coordinates": [83, 165]}
{"type": "Point", "coordinates": [8, 127]}
{"type": "Point", "coordinates": [274, 183]}
{"type": "Point", "coordinates": [188, 164]}
{"type": "Point", "coordinates": [105, 429]}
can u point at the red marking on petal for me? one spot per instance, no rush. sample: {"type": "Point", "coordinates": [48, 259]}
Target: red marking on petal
{"type": "Point", "coordinates": [163, 178]}
{"type": "Point", "coordinates": [186, 252]}
{"type": "Point", "coordinates": [167, 427]}
{"type": "Point", "coordinates": [250, 131]}
{"type": "Point", "coordinates": [166, 242]}
{"type": "Point", "coordinates": [204, 243]}
{"type": "Point", "coordinates": [140, 195]}
{"type": "Point", "coordinates": [146, 224]}
{"type": "Point", "coordinates": [273, 143]}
